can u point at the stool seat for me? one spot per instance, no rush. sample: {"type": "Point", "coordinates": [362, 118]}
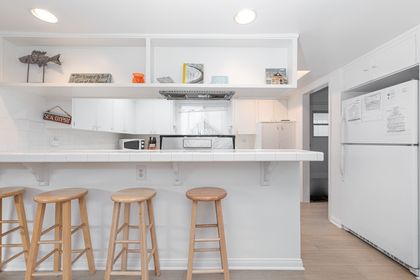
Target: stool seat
{"type": "Point", "coordinates": [206, 194]}
{"type": "Point", "coordinates": [11, 191]}
{"type": "Point", "coordinates": [60, 195]}
{"type": "Point", "coordinates": [133, 195]}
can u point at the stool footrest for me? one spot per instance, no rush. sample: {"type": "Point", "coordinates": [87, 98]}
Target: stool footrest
{"type": "Point", "coordinates": [201, 250]}
{"type": "Point", "coordinates": [9, 222]}
{"type": "Point", "coordinates": [207, 271]}
{"type": "Point", "coordinates": [12, 245]}
{"type": "Point", "coordinates": [45, 231]}
{"type": "Point", "coordinates": [50, 242]}
{"type": "Point", "coordinates": [206, 225]}
{"type": "Point", "coordinates": [80, 253]}
{"type": "Point", "coordinates": [125, 273]}
{"type": "Point", "coordinates": [76, 228]}
{"type": "Point", "coordinates": [128, 242]}
{"type": "Point", "coordinates": [12, 258]}
{"type": "Point", "coordinates": [10, 231]}
{"type": "Point", "coordinates": [44, 258]}
{"type": "Point", "coordinates": [47, 273]}
{"type": "Point", "coordinates": [207, 240]}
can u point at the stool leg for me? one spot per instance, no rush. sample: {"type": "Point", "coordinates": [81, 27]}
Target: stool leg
{"type": "Point", "coordinates": [58, 236]}
{"type": "Point", "coordinates": [86, 234]}
{"type": "Point", "coordinates": [112, 238]}
{"type": "Point", "coordinates": [192, 239]}
{"type": "Point", "coordinates": [222, 242]}
{"type": "Point", "coordinates": [156, 261]}
{"type": "Point", "coordinates": [126, 235]}
{"type": "Point", "coordinates": [143, 243]}
{"type": "Point", "coordinates": [67, 254]}
{"type": "Point", "coordinates": [36, 235]}
{"type": "Point", "coordinates": [24, 234]}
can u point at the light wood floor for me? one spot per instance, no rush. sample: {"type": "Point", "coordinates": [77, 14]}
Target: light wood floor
{"type": "Point", "coordinates": [328, 254]}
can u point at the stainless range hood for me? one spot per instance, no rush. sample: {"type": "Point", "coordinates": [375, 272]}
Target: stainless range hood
{"type": "Point", "coordinates": [197, 94]}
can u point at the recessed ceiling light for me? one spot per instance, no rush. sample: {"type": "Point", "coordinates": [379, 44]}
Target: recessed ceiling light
{"type": "Point", "coordinates": [245, 16]}
{"type": "Point", "coordinates": [44, 15]}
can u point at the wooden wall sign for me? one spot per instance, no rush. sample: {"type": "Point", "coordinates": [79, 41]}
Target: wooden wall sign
{"type": "Point", "coordinates": [50, 116]}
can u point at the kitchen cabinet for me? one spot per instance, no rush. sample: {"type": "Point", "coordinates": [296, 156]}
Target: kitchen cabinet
{"type": "Point", "coordinates": [271, 110]}
{"type": "Point", "coordinates": [104, 114]}
{"type": "Point", "coordinates": [124, 116]}
{"type": "Point", "coordinates": [110, 115]}
{"type": "Point", "coordinates": [154, 116]}
{"type": "Point", "coordinates": [390, 58]}
{"type": "Point", "coordinates": [245, 116]}
{"type": "Point", "coordinates": [87, 114]}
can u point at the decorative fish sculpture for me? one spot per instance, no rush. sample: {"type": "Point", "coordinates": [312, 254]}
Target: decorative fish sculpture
{"type": "Point", "coordinates": [40, 58]}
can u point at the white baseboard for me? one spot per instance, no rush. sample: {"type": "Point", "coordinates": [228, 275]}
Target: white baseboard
{"type": "Point", "coordinates": [335, 221]}
{"type": "Point", "coordinates": [181, 264]}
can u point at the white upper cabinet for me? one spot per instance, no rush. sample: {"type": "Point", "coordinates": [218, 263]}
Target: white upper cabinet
{"type": "Point", "coordinates": [271, 110]}
{"type": "Point", "coordinates": [245, 116]}
{"type": "Point", "coordinates": [397, 55]}
{"type": "Point", "coordinates": [110, 115]}
{"type": "Point", "coordinates": [84, 114]}
{"type": "Point", "coordinates": [154, 116]}
{"type": "Point", "coordinates": [104, 114]}
{"type": "Point", "coordinates": [124, 115]}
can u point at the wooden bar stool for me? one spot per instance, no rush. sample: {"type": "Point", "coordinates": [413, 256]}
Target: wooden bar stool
{"type": "Point", "coordinates": [142, 196]}
{"type": "Point", "coordinates": [215, 195]}
{"type": "Point", "coordinates": [17, 194]}
{"type": "Point", "coordinates": [63, 231]}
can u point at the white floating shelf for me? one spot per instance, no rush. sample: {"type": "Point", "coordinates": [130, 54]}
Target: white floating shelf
{"type": "Point", "coordinates": [118, 90]}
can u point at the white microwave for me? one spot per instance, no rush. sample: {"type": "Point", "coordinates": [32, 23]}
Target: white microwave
{"type": "Point", "coordinates": [132, 144]}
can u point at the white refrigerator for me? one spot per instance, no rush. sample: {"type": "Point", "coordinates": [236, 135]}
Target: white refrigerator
{"type": "Point", "coordinates": [276, 135]}
{"type": "Point", "coordinates": [380, 170]}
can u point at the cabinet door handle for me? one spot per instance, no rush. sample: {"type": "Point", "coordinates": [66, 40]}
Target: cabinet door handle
{"type": "Point", "coordinates": [374, 66]}
{"type": "Point", "coordinates": [366, 70]}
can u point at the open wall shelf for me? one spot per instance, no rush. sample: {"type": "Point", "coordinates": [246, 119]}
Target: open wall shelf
{"type": "Point", "coordinates": [243, 58]}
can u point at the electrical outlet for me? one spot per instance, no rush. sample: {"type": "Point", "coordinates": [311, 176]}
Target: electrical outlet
{"type": "Point", "coordinates": [141, 172]}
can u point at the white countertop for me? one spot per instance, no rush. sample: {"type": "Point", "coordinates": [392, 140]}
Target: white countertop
{"type": "Point", "coordinates": [161, 156]}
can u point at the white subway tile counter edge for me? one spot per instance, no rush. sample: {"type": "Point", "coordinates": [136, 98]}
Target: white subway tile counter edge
{"type": "Point", "coordinates": [162, 156]}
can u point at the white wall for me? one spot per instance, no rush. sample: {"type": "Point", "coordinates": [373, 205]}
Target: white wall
{"type": "Point", "coordinates": [296, 112]}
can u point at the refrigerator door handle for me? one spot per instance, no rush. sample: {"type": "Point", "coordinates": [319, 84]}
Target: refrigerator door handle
{"type": "Point", "coordinates": [342, 153]}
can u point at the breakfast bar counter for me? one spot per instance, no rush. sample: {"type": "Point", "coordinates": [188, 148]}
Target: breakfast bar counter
{"type": "Point", "coordinates": [261, 211]}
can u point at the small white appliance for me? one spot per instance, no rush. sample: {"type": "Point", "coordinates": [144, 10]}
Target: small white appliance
{"type": "Point", "coordinates": [380, 170]}
{"type": "Point", "coordinates": [276, 135]}
{"type": "Point", "coordinates": [132, 144]}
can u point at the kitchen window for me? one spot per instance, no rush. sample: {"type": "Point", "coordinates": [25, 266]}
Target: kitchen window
{"type": "Point", "coordinates": [320, 124]}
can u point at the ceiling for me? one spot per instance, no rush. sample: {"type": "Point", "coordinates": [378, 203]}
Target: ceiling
{"type": "Point", "coordinates": [332, 32]}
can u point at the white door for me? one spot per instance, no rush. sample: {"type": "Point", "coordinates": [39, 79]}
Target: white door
{"type": "Point", "coordinates": [381, 197]}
